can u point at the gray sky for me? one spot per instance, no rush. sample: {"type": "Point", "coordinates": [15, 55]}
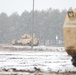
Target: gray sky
{"type": "Point", "coordinates": [10, 6]}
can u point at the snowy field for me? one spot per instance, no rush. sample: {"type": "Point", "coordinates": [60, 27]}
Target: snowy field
{"type": "Point", "coordinates": [48, 59]}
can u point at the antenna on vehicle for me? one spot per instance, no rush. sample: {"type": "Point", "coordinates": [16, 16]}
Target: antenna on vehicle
{"type": "Point", "coordinates": [32, 27]}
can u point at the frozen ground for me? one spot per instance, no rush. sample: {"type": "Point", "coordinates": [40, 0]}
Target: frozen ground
{"type": "Point", "coordinates": [49, 59]}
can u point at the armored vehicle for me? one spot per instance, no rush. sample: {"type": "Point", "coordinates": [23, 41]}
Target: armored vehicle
{"type": "Point", "coordinates": [26, 40]}
{"type": "Point", "coordinates": [69, 29]}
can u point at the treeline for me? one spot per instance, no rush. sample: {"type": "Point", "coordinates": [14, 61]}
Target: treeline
{"type": "Point", "coordinates": [48, 26]}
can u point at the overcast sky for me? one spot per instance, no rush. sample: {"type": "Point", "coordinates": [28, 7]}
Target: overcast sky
{"type": "Point", "coordinates": [10, 6]}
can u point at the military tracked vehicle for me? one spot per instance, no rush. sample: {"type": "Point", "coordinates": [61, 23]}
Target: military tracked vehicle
{"type": "Point", "coordinates": [69, 29]}
{"type": "Point", "coordinates": [26, 40]}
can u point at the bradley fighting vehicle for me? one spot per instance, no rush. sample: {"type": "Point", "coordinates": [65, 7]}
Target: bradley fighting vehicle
{"type": "Point", "coordinates": [70, 34]}
{"type": "Point", "coordinates": [26, 40]}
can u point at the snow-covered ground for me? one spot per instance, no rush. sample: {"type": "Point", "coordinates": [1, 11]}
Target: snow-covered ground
{"type": "Point", "coordinates": [48, 59]}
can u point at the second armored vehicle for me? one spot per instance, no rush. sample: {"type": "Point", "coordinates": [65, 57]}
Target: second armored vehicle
{"type": "Point", "coordinates": [27, 40]}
